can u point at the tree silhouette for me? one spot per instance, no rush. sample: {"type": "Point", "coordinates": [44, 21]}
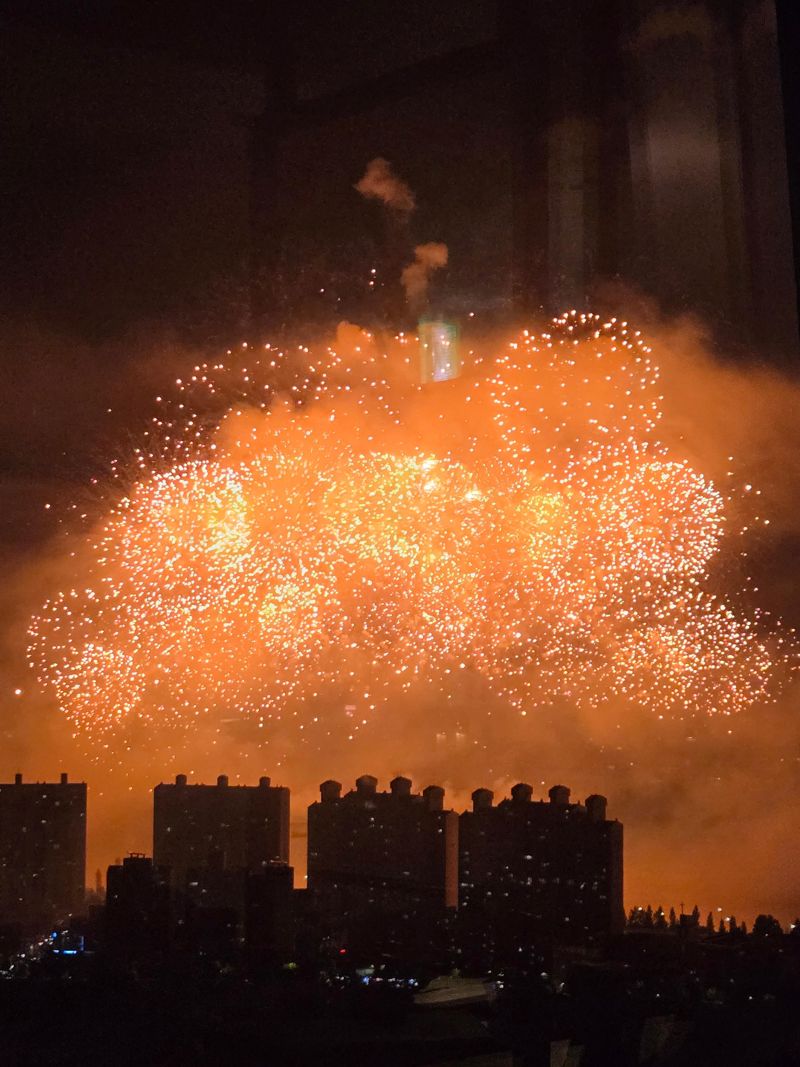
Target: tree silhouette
{"type": "Point", "coordinates": [710, 923]}
{"type": "Point", "coordinates": [767, 926]}
{"type": "Point", "coordinates": [637, 918]}
{"type": "Point", "coordinates": [673, 919]}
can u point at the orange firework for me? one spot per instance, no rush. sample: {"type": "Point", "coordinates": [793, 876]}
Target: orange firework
{"type": "Point", "coordinates": [309, 529]}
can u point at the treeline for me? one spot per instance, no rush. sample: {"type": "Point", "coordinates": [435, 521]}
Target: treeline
{"type": "Point", "coordinates": [649, 918]}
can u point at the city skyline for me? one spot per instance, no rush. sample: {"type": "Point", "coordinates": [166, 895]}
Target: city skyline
{"type": "Point", "coordinates": [462, 805]}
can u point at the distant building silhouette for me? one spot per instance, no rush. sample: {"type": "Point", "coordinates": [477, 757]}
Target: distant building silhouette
{"type": "Point", "coordinates": [138, 910]}
{"type": "Point", "coordinates": [228, 907]}
{"type": "Point", "coordinates": [536, 873]}
{"type": "Point", "coordinates": [224, 914]}
{"type": "Point", "coordinates": [195, 826]}
{"type": "Point", "coordinates": [42, 849]}
{"type": "Point", "coordinates": [375, 855]}
{"type": "Point", "coordinates": [269, 913]}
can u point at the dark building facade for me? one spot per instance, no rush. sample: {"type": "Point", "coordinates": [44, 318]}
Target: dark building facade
{"type": "Point", "coordinates": [139, 918]}
{"type": "Point", "coordinates": [42, 849]}
{"type": "Point", "coordinates": [376, 858]}
{"type": "Point", "coordinates": [222, 914]}
{"type": "Point", "coordinates": [269, 913]}
{"type": "Point", "coordinates": [538, 873]}
{"type": "Point", "coordinates": [197, 826]}
{"type": "Point", "coordinates": [226, 907]}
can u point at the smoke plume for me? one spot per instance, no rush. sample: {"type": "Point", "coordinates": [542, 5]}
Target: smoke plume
{"type": "Point", "coordinates": [381, 183]}
{"type": "Point", "coordinates": [427, 258]}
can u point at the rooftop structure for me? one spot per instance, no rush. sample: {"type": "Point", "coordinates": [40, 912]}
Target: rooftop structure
{"type": "Point", "coordinates": [393, 851]}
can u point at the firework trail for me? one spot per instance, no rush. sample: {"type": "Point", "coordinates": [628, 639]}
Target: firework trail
{"type": "Point", "coordinates": [311, 531]}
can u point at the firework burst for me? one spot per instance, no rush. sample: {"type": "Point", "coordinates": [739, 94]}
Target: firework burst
{"type": "Point", "coordinates": [311, 530]}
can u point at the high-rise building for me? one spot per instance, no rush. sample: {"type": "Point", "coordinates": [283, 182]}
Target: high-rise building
{"type": "Point", "coordinates": [197, 826]}
{"type": "Point", "coordinates": [374, 854]}
{"type": "Point", "coordinates": [42, 849]}
{"type": "Point", "coordinates": [535, 873]}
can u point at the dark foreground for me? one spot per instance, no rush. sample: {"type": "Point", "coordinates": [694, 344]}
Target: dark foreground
{"type": "Point", "coordinates": [642, 1007]}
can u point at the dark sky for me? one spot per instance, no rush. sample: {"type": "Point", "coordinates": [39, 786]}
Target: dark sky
{"type": "Point", "coordinates": [125, 195]}
{"type": "Point", "coordinates": [125, 177]}
{"type": "Point", "coordinates": [125, 133]}
{"type": "Point", "coordinates": [126, 188]}
{"type": "Point", "coordinates": [789, 40]}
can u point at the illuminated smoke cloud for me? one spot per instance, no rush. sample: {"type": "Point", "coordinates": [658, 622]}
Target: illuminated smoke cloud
{"type": "Point", "coordinates": [314, 531]}
{"type": "Point", "coordinates": [381, 183]}
{"type": "Point", "coordinates": [427, 258]}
